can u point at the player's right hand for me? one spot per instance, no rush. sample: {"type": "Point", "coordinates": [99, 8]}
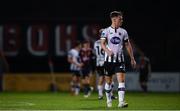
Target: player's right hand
{"type": "Point", "coordinates": [109, 53]}
{"type": "Point", "coordinates": [80, 65]}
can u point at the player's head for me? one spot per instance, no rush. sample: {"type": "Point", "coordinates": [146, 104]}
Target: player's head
{"type": "Point", "coordinates": [116, 18]}
{"type": "Point", "coordinates": [86, 44]}
{"type": "Point", "coordinates": [77, 44]}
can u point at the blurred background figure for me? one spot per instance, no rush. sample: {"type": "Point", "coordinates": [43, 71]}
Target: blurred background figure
{"type": "Point", "coordinates": [75, 67]}
{"type": "Point", "coordinates": [99, 52]}
{"type": "Point", "coordinates": [86, 56]}
{"type": "Point", "coordinates": [4, 67]}
{"type": "Point", "coordinates": [143, 65]}
{"type": "Point", "coordinates": [144, 68]}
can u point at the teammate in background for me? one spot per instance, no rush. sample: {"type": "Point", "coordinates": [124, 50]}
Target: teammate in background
{"type": "Point", "coordinates": [99, 66]}
{"type": "Point", "coordinates": [113, 39]}
{"type": "Point", "coordinates": [144, 68]}
{"type": "Point", "coordinates": [75, 67]}
{"type": "Point", "coordinates": [92, 57]}
{"type": "Point", "coordinates": [86, 58]}
{"type": "Point", "coordinates": [99, 52]}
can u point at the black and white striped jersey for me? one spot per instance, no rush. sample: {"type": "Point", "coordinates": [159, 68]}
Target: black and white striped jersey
{"type": "Point", "coordinates": [74, 54]}
{"type": "Point", "coordinates": [100, 54]}
{"type": "Point", "coordinates": [115, 40]}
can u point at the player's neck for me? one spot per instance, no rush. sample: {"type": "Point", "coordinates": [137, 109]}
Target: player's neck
{"type": "Point", "coordinates": [76, 48]}
{"type": "Point", "coordinates": [114, 26]}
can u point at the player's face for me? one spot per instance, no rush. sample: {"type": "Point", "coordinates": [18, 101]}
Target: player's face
{"type": "Point", "coordinates": [79, 46]}
{"type": "Point", "coordinates": [85, 45]}
{"type": "Point", "coordinates": [120, 20]}
{"type": "Point", "coordinates": [117, 21]}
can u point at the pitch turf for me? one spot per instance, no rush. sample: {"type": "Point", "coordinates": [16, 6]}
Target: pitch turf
{"type": "Point", "coordinates": [65, 101]}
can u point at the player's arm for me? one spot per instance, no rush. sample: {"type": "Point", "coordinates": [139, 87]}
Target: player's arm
{"type": "Point", "coordinates": [93, 55]}
{"type": "Point", "coordinates": [94, 49]}
{"type": "Point", "coordinates": [103, 42]}
{"type": "Point", "coordinates": [69, 57]}
{"type": "Point", "coordinates": [73, 60]}
{"type": "Point", "coordinates": [103, 45]}
{"type": "Point", "coordinates": [130, 52]}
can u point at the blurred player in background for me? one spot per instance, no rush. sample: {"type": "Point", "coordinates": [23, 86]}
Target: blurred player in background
{"type": "Point", "coordinates": [75, 67]}
{"type": "Point", "coordinates": [86, 56]}
{"type": "Point", "coordinates": [113, 40]}
{"type": "Point", "coordinates": [100, 54]}
{"type": "Point", "coordinates": [144, 67]}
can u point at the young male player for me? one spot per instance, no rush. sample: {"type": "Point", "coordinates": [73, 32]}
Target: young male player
{"type": "Point", "coordinates": [113, 40]}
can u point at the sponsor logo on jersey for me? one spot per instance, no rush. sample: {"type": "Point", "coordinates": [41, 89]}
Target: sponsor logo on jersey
{"type": "Point", "coordinates": [115, 40]}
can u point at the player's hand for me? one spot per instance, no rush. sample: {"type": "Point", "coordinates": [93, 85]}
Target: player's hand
{"type": "Point", "coordinates": [110, 53]}
{"type": "Point", "coordinates": [80, 65]}
{"type": "Point", "coordinates": [133, 63]}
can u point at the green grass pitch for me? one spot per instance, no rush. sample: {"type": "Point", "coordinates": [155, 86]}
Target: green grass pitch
{"type": "Point", "coordinates": [65, 101]}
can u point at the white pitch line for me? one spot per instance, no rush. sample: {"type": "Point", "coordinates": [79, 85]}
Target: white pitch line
{"type": "Point", "coordinates": [28, 103]}
{"type": "Point", "coordinates": [18, 104]}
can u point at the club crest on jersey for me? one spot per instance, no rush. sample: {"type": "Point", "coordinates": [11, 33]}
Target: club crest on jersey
{"type": "Point", "coordinates": [115, 40]}
{"type": "Point", "coordinates": [102, 34]}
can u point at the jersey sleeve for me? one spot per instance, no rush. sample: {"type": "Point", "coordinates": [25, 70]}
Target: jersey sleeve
{"type": "Point", "coordinates": [70, 54]}
{"type": "Point", "coordinates": [94, 45]}
{"type": "Point", "coordinates": [104, 34]}
{"type": "Point", "coordinates": [94, 48]}
{"type": "Point", "coordinates": [126, 37]}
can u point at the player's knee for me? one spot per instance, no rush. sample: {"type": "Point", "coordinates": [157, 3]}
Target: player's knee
{"type": "Point", "coordinates": [108, 82]}
{"type": "Point", "coordinates": [108, 87]}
